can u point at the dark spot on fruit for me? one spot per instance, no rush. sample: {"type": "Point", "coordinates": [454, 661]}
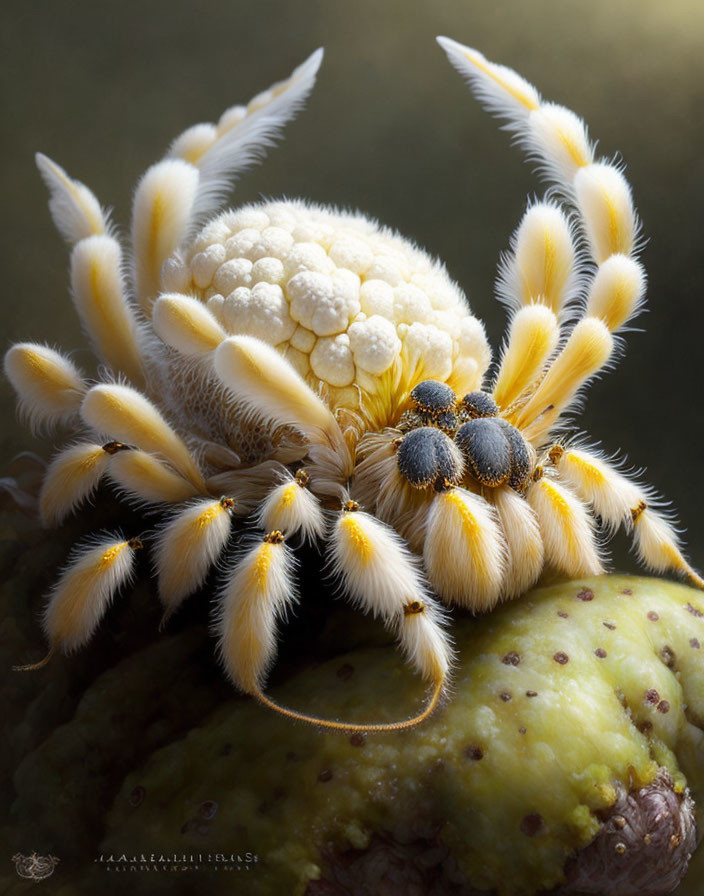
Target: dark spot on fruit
{"type": "Point", "coordinates": [562, 614]}
{"type": "Point", "coordinates": [279, 793]}
{"type": "Point", "coordinates": [136, 798]}
{"type": "Point", "coordinates": [521, 730]}
{"type": "Point", "coordinates": [291, 756]}
{"type": "Point", "coordinates": [345, 672]}
{"type": "Point", "coordinates": [610, 625]}
{"type": "Point", "coordinates": [694, 611]}
{"type": "Point", "coordinates": [505, 696]}
{"type": "Point", "coordinates": [208, 810]}
{"type": "Point", "coordinates": [652, 696]}
{"type": "Point", "coordinates": [627, 591]}
{"type": "Point", "coordinates": [600, 652]}
{"type": "Point", "coordinates": [663, 706]}
{"type": "Point", "coordinates": [358, 739]}
{"type": "Point", "coordinates": [226, 749]}
{"type": "Point", "coordinates": [585, 594]}
{"type": "Point", "coordinates": [644, 727]}
{"type": "Point", "coordinates": [531, 693]}
{"type": "Point", "coordinates": [561, 658]}
{"type": "Point", "coordinates": [473, 752]}
{"type": "Point", "coordinates": [511, 658]}
{"type": "Point", "coordinates": [325, 776]}
{"type": "Point", "coordinates": [668, 656]}
{"type": "Point", "coordinates": [653, 616]}
{"type": "Point", "coordinates": [694, 642]}
{"type": "Point", "coordinates": [531, 824]}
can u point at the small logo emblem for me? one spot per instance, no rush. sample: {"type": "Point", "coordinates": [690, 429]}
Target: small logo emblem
{"type": "Point", "coordinates": [35, 867]}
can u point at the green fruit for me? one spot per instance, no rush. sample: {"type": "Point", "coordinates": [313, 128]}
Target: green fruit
{"type": "Point", "coordinates": [573, 708]}
{"type": "Point", "coordinates": [560, 701]}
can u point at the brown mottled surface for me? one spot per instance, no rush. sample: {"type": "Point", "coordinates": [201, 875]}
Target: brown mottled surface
{"type": "Point", "coordinates": [644, 847]}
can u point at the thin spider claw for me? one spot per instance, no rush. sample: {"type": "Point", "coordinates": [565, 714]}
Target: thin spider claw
{"type": "Point", "coordinates": [32, 667]}
{"type": "Point", "coordinates": [372, 727]}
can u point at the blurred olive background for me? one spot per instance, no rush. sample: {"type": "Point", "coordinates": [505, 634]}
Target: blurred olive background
{"type": "Point", "coordinates": [390, 129]}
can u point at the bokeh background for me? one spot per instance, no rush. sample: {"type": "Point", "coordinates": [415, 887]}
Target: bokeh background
{"type": "Point", "coordinates": [390, 129]}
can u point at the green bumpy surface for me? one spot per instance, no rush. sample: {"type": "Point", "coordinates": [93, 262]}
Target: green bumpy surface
{"type": "Point", "coordinates": [556, 697]}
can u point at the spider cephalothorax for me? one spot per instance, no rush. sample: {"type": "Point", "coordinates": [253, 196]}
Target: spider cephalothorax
{"type": "Point", "coordinates": [487, 448]}
{"type": "Point", "coordinates": [318, 377]}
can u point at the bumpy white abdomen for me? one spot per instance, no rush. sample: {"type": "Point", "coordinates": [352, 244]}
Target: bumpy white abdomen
{"type": "Point", "coordinates": [354, 307]}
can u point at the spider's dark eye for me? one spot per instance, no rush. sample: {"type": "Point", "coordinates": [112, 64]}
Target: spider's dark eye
{"type": "Point", "coordinates": [427, 456]}
{"type": "Point", "coordinates": [433, 397]}
{"type": "Point", "coordinates": [479, 404]}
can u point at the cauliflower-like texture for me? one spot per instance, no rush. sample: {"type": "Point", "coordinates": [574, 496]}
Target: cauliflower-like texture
{"type": "Point", "coordinates": [345, 300]}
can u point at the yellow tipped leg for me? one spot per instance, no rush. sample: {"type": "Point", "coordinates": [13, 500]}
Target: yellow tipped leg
{"type": "Point", "coordinates": [101, 302]}
{"type": "Point", "coordinates": [532, 339]}
{"type": "Point", "coordinates": [71, 478]}
{"type": "Point", "coordinates": [541, 267]}
{"type": "Point", "coordinates": [657, 545]}
{"type": "Point", "coordinates": [125, 414]}
{"type": "Point", "coordinates": [264, 380]}
{"type": "Point", "coordinates": [566, 528]}
{"type": "Point", "coordinates": [464, 552]}
{"type": "Point", "coordinates": [186, 325]}
{"type": "Point", "coordinates": [291, 508]}
{"type": "Point", "coordinates": [75, 210]}
{"type": "Point", "coordinates": [256, 596]}
{"type": "Point", "coordinates": [524, 544]}
{"type": "Point", "coordinates": [49, 387]}
{"type": "Point", "coordinates": [161, 212]}
{"type": "Point", "coordinates": [83, 594]}
{"type": "Point", "coordinates": [617, 292]}
{"type": "Point", "coordinates": [586, 351]}
{"type": "Point", "coordinates": [188, 546]}
{"type": "Point", "coordinates": [618, 500]}
{"type": "Point", "coordinates": [376, 569]}
{"type": "Point", "coordinates": [596, 482]}
{"type": "Point", "coordinates": [190, 184]}
{"type": "Point", "coordinates": [604, 199]}
{"type": "Point", "coordinates": [148, 479]}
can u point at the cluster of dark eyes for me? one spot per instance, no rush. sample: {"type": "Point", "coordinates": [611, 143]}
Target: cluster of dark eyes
{"type": "Point", "coordinates": [446, 439]}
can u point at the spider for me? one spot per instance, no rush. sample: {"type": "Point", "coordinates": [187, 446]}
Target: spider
{"type": "Point", "coordinates": [320, 378]}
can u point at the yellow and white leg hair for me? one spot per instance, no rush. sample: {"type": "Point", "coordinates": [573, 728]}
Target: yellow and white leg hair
{"type": "Point", "coordinates": [542, 267]}
{"type": "Point", "coordinates": [620, 501]}
{"type": "Point", "coordinates": [99, 294]}
{"type": "Point", "coordinates": [175, 195]}
{"type": "Point", "coordinates": [376, 570]}
{"type": "Point", "coordinates": [83, 593]}
{"type": "Point", "coordinates": [382, 577]}
{"type": "Point", "coordinates": [567, 528]}
{"type": "Point", "coordinates": [188, 546]}
{"type": "Point", "coordinates": [464, 551]}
